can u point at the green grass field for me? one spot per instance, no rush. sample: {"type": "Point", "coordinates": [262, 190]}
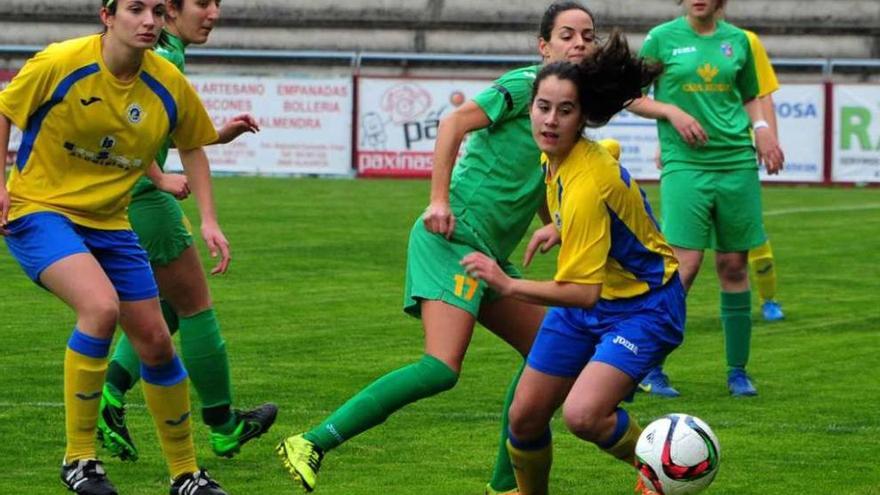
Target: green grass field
{"type": "Point", "coordinates": [311, 313]}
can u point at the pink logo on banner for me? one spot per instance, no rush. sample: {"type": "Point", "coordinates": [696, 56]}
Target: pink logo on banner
{"type": "Point", "coordinates": [405, 102]}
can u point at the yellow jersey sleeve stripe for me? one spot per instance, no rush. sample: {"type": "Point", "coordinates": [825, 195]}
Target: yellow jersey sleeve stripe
{"type": "Point", "coordinates": [35, 121]}
{"type": "Point", "coordinates": [166, 98]}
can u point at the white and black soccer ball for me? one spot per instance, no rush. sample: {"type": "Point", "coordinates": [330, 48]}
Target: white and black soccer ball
{"type": "Point", "coordinates": [678, 454]}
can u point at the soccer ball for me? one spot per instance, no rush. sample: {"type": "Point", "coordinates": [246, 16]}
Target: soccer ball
{"type": "Point", "coordinates": [678, 455]}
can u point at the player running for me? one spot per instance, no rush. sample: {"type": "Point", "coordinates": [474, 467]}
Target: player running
{"type": "Point", "coordinates": [485, 203]}
{"type": "Point", "coordinates": [618, 305]}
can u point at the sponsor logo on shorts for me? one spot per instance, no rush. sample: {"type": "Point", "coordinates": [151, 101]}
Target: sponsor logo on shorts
{"type": "Point", "coordinates": [629, 345]}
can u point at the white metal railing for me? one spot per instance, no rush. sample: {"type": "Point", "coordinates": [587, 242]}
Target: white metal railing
{"type": "Point", "coordinates": [357, 59]}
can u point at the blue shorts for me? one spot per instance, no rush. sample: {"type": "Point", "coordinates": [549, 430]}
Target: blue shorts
{"type": "Point", "coordinates": [634, 335]}
{"type": "Point", "coordinates": [38, 240]}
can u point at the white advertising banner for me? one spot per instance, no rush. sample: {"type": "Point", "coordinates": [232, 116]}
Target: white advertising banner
{"type": "Point", "coordinates": [398, 121]}
{"type": "Point", "coordinates": [305, 124]}
{"type": "Point", "coordinates": [800, 116]}
{"type": "Point", "coordinates": [856, 134]}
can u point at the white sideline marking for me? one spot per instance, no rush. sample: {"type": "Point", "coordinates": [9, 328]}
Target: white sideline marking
{"type": "Point", "coordinates": [792, 211]}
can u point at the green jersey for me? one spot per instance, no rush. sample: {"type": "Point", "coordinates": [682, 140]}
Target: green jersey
{"type": "Point", "coordinates": [709, 77]}
{"type": "Point", "coordinates": [497, 184]}
{"type": "Point", "coordinates": [170, 48]}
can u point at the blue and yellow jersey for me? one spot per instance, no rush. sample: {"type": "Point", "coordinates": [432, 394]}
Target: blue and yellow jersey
{"type": "Point", "coordinates": [767, 82]}
{"type": "Point", "coordinates": [609, 235]}
{"type": "Point", "coordinates": [88, 136]}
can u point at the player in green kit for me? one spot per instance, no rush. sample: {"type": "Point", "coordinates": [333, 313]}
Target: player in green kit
{"type": "Point", "coordinates": [710, 194]}
{"type": "Point", "coordinates": [484, 203]}
{"type": "Point", "coordinates": [164, 232]}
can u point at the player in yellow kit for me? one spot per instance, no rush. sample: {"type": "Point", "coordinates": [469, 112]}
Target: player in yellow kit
{"type": "Point", "coordinates": [617, 301]}
{"type": "Point", "coordinates": [94, 111]}
{"type": "Point", "coordinates": [761, 258]}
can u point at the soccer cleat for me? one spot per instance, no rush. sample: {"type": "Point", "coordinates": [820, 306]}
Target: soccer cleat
{"type": "Point", "coordinates": [492, 491]}
{"type": "Point", "coordinates": [251, 424]}
{"type": "Point", "coordinates": [112, 432]}
{"type": "Point", "coordinates": [643, 489]}
{"type": "Point", "coordinates": [198, 483]}
{"type": "Point", "coordinates": [772, 311]}
{"type": "Point", "coordinates": [739, 383]}
{"type": "Point", "coordinates": [657, 383]}
{"type": "Point", "coordinates": [302, 459]}
{"type": "Point", "coordinates": [87, 477]}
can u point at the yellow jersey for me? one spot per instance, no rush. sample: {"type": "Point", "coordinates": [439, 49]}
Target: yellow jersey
{"type": "Point", "coordinates": [609, 235]}
{"type": "Point", "coordinates": [767, 82]}
{"type": "Point", "coordinates": [88, 136]}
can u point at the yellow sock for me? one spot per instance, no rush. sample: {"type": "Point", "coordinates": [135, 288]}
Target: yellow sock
{"type": "Point", "coordinates": [531, 468]}
{"type": "Point", "coordinates": [166, 392]}
{"type": "Point", "coordinates": [625, 448]}
{"type": "Point", "coordinates": [83, 381]}
{"type": "Point", "coordinates": [764, 269]}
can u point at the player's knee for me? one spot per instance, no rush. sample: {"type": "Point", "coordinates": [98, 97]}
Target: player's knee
{"type": "Point", "coordinates": [524, 424]}
{"type": "Point", "coordinates": [436, 375]}
{"type": "Point", "coordinates": [99, 315]}
{"type": "Point", "coordinates": [584, 423]}
{"type": "Point", "coordinates": [154, 347]}
{"type": "Point", "coordinates": [732, 270]}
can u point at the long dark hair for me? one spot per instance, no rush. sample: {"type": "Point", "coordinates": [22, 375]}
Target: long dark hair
{"type": "Point", "coordinates": [548, 20]}
{"type": "Point", "coordinates": [607, 82]}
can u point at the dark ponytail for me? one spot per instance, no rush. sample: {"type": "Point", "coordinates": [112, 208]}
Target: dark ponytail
{"type": "Point", "coordinates": [612, 78]}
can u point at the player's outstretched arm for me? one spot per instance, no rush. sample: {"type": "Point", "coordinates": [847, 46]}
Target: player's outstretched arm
{"type": "Point", "coordinates": [438, 216]}
{"type": "Point", "coordinates": [235, 127]}
{"type": "Point", "coordinates": [545, 292]}
{"type": "Point", "coordinates": [195, 164]}
{"type": "Point", "coordinates": [174, 184]}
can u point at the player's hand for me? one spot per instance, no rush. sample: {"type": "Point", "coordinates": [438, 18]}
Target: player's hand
{"type": "Point", "coordinates": [4, 210]}
{"type": "Point", "coordinates": [174, 184]}
{"type": "Point", "coordinates": [217, 244]}
{"type": "Point", "coordinates": [544, 239]}
{"type": "Point", "coordinates": [236, 126]}
{"type": "Point", "coordinates": [769, 152]}
{"type": "Point", "coordinates": [688, 127]}
{"type": "Point", "coordinates": [439, 219]}
{"type": "Point", "coordinates": [484, 268]}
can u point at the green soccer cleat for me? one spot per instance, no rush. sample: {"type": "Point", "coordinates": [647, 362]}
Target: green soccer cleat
{"type": "Point", "coordinates": [251, 424]}
{"type": "Point", "coordinates": [302, 459]}
{"type": "Point", "coordinates": [112, 433]}
{"type": "Point", "coordinates": [492, 491]}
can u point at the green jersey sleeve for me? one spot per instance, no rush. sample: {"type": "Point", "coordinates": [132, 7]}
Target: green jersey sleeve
{"type": "Point", "coordinates": [508, 97]}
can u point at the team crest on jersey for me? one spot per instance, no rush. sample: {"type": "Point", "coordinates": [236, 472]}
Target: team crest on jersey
{"type": "Point", "coordinates": [727, 49]}
{"type": "Point", "coordinates": [135, 113]}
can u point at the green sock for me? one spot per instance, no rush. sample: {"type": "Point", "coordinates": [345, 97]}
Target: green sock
{"type": "Point", "coordinates": [170, 316]}
{"type": "Point", "coordinates": [124, 369]}
{"type": "Point", "coordinates": [503, 479]}
{"type": "Point", "coordinates": [736, 319]}
{"type": "Point", "coordinates": [373, 404]}
{"type": "Point", "coordinates": [204, 355]}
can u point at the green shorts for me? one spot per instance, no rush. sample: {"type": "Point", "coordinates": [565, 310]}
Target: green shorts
{"type": "Point", "coordinates": [160, 224]}
{"type": "Point", "coordinates": [719, 209]}
{"type": "Point", "coordinates": [433, 271]}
